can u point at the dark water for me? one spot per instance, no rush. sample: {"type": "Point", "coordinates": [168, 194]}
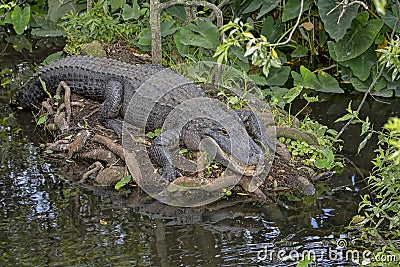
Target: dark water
{"type": "Point", "coordinates": [47, 221]}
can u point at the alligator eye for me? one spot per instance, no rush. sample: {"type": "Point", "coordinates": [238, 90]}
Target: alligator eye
{"type": "Point", "coordinates": [223, 131]}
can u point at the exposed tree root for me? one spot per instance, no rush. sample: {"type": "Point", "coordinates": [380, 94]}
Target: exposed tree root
{"type": "Point", "coordinates": [110, 144]}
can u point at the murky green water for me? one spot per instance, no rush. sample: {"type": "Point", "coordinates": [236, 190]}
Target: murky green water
{"type": "Point", "coordinates": [47, 221]}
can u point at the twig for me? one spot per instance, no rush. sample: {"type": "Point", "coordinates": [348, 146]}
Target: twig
{"type": "Point", "coordinates": [220, 6]}
{"type": "Point", "coordinates": [294, 27]}
{"type": "Point", "coordinates": [346, 4]}
{"type": "Point", "coordinates": [374, 81]}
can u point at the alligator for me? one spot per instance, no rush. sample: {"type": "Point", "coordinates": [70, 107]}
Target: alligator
{"type": "Point", "coordinates": [114, 83]}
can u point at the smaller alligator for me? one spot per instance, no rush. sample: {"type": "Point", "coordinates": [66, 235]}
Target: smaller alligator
{"type": "Point", "coordinates": [114, 83]}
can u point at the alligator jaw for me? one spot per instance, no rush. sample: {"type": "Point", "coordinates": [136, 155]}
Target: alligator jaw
{"type": "Point", "coordinates": [228, 160]}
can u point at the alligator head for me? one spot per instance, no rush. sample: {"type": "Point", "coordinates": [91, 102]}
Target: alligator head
{"type": "Point", "coordinates": [246, 157]}
{"type": "Point", "coordinates": [242, 155]}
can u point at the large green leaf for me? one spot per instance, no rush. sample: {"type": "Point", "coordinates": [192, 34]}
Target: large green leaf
{"type": "Point", "coordinates": [391, 16]}
{"type": "Point", "coordinates": [20, 42]}
{"type": "Point", "coordinates": [329, 12]}
{"type": "Point", "coordinates": [361, 65]}
{"type": "Point", "coordinates": [272, 29]}
{"type": "Point", "coordinates": [45, 27]}
{"type": "Point", "coordinates": [278, 76]}
{"type": "Point", "coordinates": [356, 41]}
{"type": "Point", "coordinates": [53, 32]}
{"type": "Point", "coordinates": [177, 11]}
{"type": "Point", "coordinates": [144, 38]}
{"type": "Point", "coordinates": [323, 83]}
{"type": "Point", "coordinates": [306, 79]}
{"type": "Point", "coordinates": [292, 9]}
{"type": "Point", "coordinates": [300, 51]}
{"type": "Point", "coordinates": [329, 84]}
{"type": "Point", "coordinates": [267, 6]}
{"type": "Point", "coordinates": [205, 34]}
{"type": "Point", "coordinates": [59, 8]}
{"type": "Point", "coordinates": [20, 18]}
{"type": "Point", "coordinates": [115, 4]}
{"type": "Point", "coordinates": [131, 12]}
{"type": "Point", "coordinates": [253, 6]}
{"type": "Point", "coordinates": [380, 88]}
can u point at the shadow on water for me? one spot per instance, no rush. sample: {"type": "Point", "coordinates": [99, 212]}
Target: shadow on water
{"type": "Point", "coordinates": [47, 221]}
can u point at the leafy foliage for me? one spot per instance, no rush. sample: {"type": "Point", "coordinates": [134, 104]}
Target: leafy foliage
{"type": "Point", "coordinates": [105, 22]}
{"type": "Point", "coordinates": [320, 156]}
{"type": "Point", "coordinates": [382, 210]}
{"type": "Point", "coordinates": [390, 57]}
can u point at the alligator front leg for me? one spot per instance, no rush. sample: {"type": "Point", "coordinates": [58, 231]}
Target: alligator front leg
{"type": "Point", "coordinates": [254, 127]}
{"type": "Point", "coordinates": [110, 108]}
{"type": "Point", "coordinates": [160, 152]}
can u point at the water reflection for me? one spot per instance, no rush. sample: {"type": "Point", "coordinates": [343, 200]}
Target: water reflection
{"type": "Point", "coordinates": [47, 221]}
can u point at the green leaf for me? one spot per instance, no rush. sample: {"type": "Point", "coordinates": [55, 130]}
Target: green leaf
{"type": "Point", "coordinates": [366, 125]}
{"type": "Point", "coordinates": [20, 18]}
{"type": "Point", "coordinates": [267, 6]}
{"type": "Point", "coordinates": [131, 12]}
{"type": "Point", "coordinates": [292, 94]}
{"type": "Point", "coordinates": [326, 162]}
{"type": "Point", "coordinates": [272, 29]}
{"type": "Point", "coordinates": [183, 151]}
{"type": "Point", "coordinates": [258, 79]}
{"type": "Point", "coordinates": [144, 37]}
{"type": "Point", "coordinates": [329, 84]}
{"type": "Point", "coordinates": [300, 51]}
{"type": "Point", "coordinates": [391, 17]}
{"type": "Point", "coordinates": [115, 4]}
{"type": "Point", "coordinates": [346, 117]}
{"type": "Point", "coordinates": [356, 41]}
{"type": "Point", "coordinates": [167, 28]}
{"type": "Point", "coordinates": [124, 181]}
{"type": "Point", "coordinates": [363, 86]}
{"type": "Point", "coordinates": [292, 9]}
{"type": "Point", "coordinates": [330, 16]}
{"type": "Point", "coordinates": [307, 79]}
{"type": "Point", "coordinates": [136, 9]}
{"type": "Point", "coordinates": [306, 261]}
{"type": "Point", "coordinates": [310, 99]}
{"type": "Point", "coordinates": [253, 6]}
{"type": "Point", "coordinates": [20, 42]}
{"type": "Point", "coordinates": [364, 142]}
{"type": "Point", "coordinates": [177, 11]}
{"type": "Point", "coordinates": [53, 57]}
{"type": "Point", "coordinates": [150, 135]}
{"type": "Point", "coordinates": [58, 9]}
{"type": "Point", "coordinates": [42, 120]}
{"type": "Point", "coordinates": [205, 34]}
{"type": "Point", "coordinates": [361, 65]}
{"type": "Point", "coordinates": [278, 76]}
{"type": "Point", "coordinates": [128, 12]}
{"type": "Point", "coordinates": [323, 83]}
